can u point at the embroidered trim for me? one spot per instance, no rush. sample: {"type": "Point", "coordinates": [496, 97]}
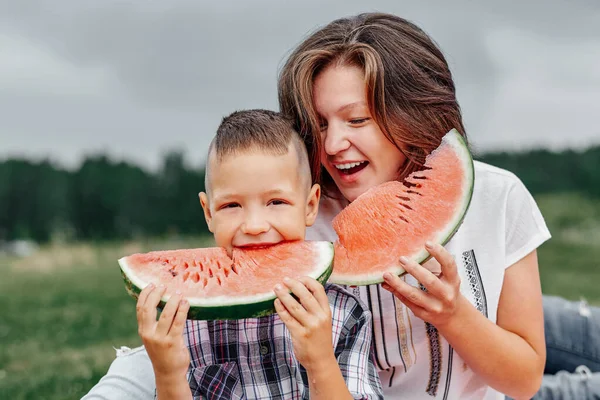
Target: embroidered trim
{"type": "Point", "coordinates": [435, 356]}
{"type": "Point", "coordinates": [435, 359]}
{"type": "Point", "coordinates": [475, 281]}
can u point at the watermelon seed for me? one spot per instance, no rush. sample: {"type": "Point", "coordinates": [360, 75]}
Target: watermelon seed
{"type": "Point", "coordinates": [186, 275]}
{"type": "Point", "coordinates": [174, 273]}
{"type": "Point", "coordinates": [406, 206]}
{"type": "Point", "coordinates": [420, 177]}
{"type": "Point", "coordinates": [403, 198]}
{"type": "Point", "coordinates": [185, 265]}
{"type": "Point", "coordinates": [226, 272]}
{"type": "Point", "coordinates": [205, 282]}
{"type": "Point", "coordinates": [233, 269]}
{"type": "Point", "coordinates": [196, 277]}
{"type": "Point", "coordinates": [219, 281]}
{"type": "Point", "coordinates": [403, 219]}
{"type": "Point", "coordinates": [414, 192]}
{"type": "Point", "coordinates": [210, 273]}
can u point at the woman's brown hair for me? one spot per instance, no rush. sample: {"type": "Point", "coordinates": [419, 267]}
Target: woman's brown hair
{"type": "Point", "coordinates": [410, 91]}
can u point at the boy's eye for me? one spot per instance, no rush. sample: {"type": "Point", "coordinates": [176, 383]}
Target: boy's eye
{"type": "Point", "coordinates": [229, 205]}
{"type": "Point", "coordinates": [277, 202]}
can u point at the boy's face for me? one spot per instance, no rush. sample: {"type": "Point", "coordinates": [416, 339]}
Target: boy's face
{"type": "Point", "coordinates": [257, 199]}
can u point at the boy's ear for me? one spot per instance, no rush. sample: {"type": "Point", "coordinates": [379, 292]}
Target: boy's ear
{"type": "Point", "coordinates": [312, 205]}
{"type": "Point", "coordinates": [207, 215]}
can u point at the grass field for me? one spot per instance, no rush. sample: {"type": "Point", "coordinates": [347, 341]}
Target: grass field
{"type": "Point", "coordinates": [65, 307]}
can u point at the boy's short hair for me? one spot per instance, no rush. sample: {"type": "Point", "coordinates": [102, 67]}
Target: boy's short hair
{"type": "Point", "coordinates": [260, 130]}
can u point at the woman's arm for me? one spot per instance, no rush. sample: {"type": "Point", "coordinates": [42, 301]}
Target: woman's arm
{"type": "Point", "coordinates": [509, 355]}
{"type": "Point", "coordinates": [130, 377]}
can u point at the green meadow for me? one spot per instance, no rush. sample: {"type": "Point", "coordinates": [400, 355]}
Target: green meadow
{"type": "Point", "coordinates": [65, 307]}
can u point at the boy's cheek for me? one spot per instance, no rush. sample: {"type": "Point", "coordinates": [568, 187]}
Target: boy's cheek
{"type": "Point", "coordinates": [223, 232]}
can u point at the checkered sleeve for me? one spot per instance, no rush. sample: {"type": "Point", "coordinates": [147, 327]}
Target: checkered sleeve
{"type": "Point", "coordinates": [352, 322]}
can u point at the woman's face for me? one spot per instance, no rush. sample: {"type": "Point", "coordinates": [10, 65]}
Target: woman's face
{"type": "Point", "coordinates": [355, 151]}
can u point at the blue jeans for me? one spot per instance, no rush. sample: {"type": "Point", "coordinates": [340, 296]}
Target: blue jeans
{"type": "Point", "coordinates": [573, 350]}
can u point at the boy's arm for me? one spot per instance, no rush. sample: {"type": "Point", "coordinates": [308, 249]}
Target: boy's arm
{"type": "Point", "coordinates": [353, 370]}
{"type": "Point", "coordinates": [354, 350]}
{"type": "Point", "coordinates": [174, 387]}
{"type": "Point", "coordinates": [163, 340]}
{"type": "Point", "coordinates": [326, 381]}
{"type": "Point", "coordinates": [309, 322]}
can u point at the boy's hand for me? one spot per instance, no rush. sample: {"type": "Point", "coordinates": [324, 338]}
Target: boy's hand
{"type": "Point", "coordinates": [163, 339]}
{"type": "Point", "coordinates": [309, 321]}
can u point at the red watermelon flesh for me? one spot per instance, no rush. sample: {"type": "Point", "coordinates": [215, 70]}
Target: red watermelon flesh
{"type": "Point", "coordinates": [222, 287]}
{"type": "Point", "coordinates": [396, 218]}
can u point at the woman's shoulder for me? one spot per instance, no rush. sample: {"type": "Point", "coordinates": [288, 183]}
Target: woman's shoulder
{"type": "Point", "coordinates": [495, 183]}
{"type": "Point", "coordinates": [487, 172]}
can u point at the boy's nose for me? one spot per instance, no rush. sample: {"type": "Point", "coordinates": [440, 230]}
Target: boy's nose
{"type": "Point", "coordinates": [335, 140]}
{"type": "Point", "coordinates": [255, 225]}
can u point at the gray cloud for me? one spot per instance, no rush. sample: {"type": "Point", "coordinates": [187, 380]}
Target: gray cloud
{"type": "Point", "coordinates": [137, 78]}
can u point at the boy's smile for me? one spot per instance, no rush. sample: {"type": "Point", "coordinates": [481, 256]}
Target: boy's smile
{"type": "Point", "coordinates": [258, 199]}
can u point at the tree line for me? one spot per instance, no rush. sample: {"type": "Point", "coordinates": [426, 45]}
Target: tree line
{"type": "Point", "coordinates": [105, 199]}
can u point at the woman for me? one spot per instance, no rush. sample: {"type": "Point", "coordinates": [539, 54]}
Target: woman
{"type": "Point", "coordinates": [375, 90]}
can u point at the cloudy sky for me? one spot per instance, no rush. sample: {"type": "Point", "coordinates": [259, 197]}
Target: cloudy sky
{"type": "Point", "coordinates": [138, 78]}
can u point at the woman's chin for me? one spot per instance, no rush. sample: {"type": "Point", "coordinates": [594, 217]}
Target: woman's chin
{"type": "Point", "coordinates": [352, 194]}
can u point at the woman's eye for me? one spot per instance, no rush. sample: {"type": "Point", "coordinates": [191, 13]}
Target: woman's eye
{"type": "Point", "coordinates": [358, 121]}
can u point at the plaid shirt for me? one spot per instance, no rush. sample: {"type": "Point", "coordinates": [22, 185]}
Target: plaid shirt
{"type": "Point", "coordinates": [253, 358]}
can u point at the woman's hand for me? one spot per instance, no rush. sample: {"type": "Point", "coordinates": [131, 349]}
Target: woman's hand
{"type": "Point", "coordinates": [439, 297]}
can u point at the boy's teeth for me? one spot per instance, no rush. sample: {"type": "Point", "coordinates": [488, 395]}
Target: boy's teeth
{"type": "Point", "coordinates": [348, 165]}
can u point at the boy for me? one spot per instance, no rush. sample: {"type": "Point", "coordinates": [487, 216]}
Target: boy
{"type": "Point", "coordinates": [259, 192]}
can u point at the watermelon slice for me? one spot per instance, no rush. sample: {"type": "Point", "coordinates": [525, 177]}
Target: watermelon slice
{"type": "Point", "coordinates": [220, 287]}
{"type": "Point", "coordinates": [396, 218]}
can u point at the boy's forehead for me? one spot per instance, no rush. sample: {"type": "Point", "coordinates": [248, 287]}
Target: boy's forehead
{"type": "Point", "coordinates": [253, 170]}
{"type": "Point", "coordinates": [224, 161]}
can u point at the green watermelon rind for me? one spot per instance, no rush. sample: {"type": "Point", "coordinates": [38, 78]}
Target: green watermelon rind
{"type": "Point", "coordinates": [454, 139]}
{"type": "Point", "coordinates": [246, 307]}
